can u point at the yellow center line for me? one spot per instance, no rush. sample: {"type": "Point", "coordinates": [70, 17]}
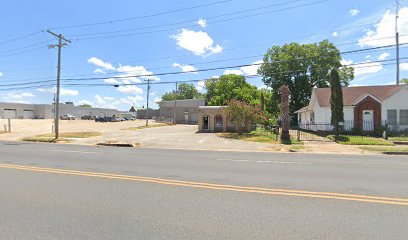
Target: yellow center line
{"type": "Point", "coordinates": [204, 185]}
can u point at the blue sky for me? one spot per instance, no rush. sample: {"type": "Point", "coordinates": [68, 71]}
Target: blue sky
{"type": "Point", "coordinates": [156, 44]}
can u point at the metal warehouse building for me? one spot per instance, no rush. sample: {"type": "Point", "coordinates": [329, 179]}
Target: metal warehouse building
{"type": "Point", "coordinates": [45, 111]}
{"type": "Point", "coordinates": [186, 110]}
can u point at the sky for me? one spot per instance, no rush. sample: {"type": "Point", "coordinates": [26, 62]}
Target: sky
{"type": "Point", "coordinates": [125, 38]}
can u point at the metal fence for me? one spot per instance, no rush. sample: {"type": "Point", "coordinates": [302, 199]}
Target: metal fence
{"type": "Point", "coordinates": [163, 120]}
{"type": "Point", "coordinates": [365, 129]}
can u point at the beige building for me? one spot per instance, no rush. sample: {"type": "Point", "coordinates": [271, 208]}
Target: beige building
{"type": "Point", "coordinates": [213, 119]}
{"type": "Point", "coordinates": [186, 110]}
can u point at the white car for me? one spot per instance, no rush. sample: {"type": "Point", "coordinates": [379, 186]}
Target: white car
{"type": "Point", "coordinates": [67, 117]}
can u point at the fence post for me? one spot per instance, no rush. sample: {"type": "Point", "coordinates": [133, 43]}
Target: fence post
{"type": "Point", "coordinates": [9, 124]}
{"type": "Point", "coordinates": [385, 133]}
{"type": "Point", "coordinates": [298, 134]}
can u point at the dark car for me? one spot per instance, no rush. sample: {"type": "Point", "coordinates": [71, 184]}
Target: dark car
{"type": "Point", "coordinates": [87, 117]}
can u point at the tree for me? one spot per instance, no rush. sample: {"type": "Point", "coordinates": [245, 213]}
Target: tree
{"type": "Point", "coordinates": [185, 91]}
{"type": "Point", "coordinates": [243, 114]}
{"type": "Point", "coordinates": [336, 101]}
{"type": "Point", "coordinates": [301, 67]}
{"type": "Point", "coordinates": [404, 80]}
{"type": "Point", "coordinates": [85, 106]}
{"type": "Point", "coordinates": [284, 112]}
{"type": "Point", "coordinates": [230, 87]}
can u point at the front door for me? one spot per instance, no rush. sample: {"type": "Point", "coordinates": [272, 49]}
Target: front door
{"type": "Point", "coordinates": [186, 117]}
{"type": "Point", "coordinates": [368, 120]}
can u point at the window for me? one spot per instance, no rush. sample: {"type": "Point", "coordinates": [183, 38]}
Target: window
{"type": "Point", "coordinates": [312, 116]}
{"type": "Point", "coordinates": [403, 117]}
{"type": "Point", "coordinates": [392, 116]}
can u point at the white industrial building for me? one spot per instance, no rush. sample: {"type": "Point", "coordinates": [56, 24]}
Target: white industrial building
{"type": "Point", "coordinates": [45, 111]}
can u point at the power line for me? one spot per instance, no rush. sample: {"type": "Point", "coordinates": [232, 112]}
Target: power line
{"type": "Point", "coordinates": [161, 82]}
{"type": "Point", "coordinates": [186, 21]}
{"type": "Point", "coordinates": [365, 65]}
{"type": "Point", "coordinates": [143, 16]}
{"type": "Point", "coordinates": [182, 72]}
{"type": "Point", "coordinates": [218, 21]}
{"type": "Point", "coordinates": [21, 37]}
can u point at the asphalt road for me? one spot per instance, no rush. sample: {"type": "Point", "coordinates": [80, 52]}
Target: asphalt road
{"type": "Point", "coordinates": [121, 193]}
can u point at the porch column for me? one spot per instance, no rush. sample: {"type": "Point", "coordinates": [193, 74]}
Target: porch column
{"type": "Point", "coordinates": [200, 122]}
{"type": "Point", "coordinates": [224, 123]}
{"type": "Point", "coordinates": [211, 122]}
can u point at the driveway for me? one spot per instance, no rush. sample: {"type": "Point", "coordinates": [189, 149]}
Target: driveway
{"type": "Point", "coordinates": [178, 137]}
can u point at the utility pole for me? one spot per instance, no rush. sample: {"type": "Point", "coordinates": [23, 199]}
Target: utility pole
{"type": "Point", "coordinates": [397, 43]}
{"type": "Point", "coordinates": [147, 108]}
{"type": "Point", "coordinates": [175, 105]}
{"type": "Point", "coordinates": [57, 103]}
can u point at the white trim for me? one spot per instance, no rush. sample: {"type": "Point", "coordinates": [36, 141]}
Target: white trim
{"type": "Point", "coordinates": [365, 96]}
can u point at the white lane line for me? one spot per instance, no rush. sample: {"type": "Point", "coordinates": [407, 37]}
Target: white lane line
{"type": "Point", "coordinates": [68, 151]}
{"type": "Point", "coordinates": [262, 161]}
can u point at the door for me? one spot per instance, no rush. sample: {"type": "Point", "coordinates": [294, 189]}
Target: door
{"type": "Point", "coordinates": [368, 120]}
{"type": "Point", "coordinates": [206, 123]}
{"type": "Point", "coordinates": [186, 117]}
{"type": "Point", "coordinates": [10, 113]}
{"type": "Point", "coordinates": [28, 114]}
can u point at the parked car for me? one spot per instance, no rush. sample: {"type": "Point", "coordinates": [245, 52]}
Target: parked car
{"type": "Point", "coordinates": [67, 117]}
{"type": "Point", "coordinates": [87, 117]}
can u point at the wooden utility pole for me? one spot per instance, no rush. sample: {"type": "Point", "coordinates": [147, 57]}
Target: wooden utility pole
{"type": "Point", "coordinates": [147, 108]}
{"type": "Point", "coordinates": [57, 98]}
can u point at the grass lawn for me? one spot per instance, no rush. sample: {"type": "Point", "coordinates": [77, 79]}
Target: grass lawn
{"type": "Point", "coordinates": [403, 139]}
{"type": "Point", "coordinates": [64, 136]}
{"type": "Point", "coordinates": [143, 127]}
{"type": "Point", "coordinates": [359, 140]}
{"type": "Point", "coordinates": [257, 135]}
{"type": "Point", "coordinates": [386, 149]}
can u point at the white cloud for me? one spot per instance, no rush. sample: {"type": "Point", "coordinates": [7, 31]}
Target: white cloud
{"type": "Point", "coordinates": [130, 89]}
{"type": "Point", "coordinates": [354, 12]}
{"type": "Point", "coordinates": [157, 99]}
{"type": "Point", "coordinates": [252, 70]}
{"type": "Point", "coordinates": [98, 62]}
{"type": "Point", "coordinates": [200, 85]}
{"type": "Point", "coordinates": [1, 74]}
{"type": "Point", "coordinates": [199, 43]}
{"type": "Point", "coordinates": [404, 66]}
{"type": "Point", "coordinates": [63, 91]}
{"type": "Point", "coordinates": [368, 56]}
{"type": "Point", "coordinates": [346, 62]}
{"type": "Point", "coordinates": [68, 92]}
{"type": "Point", "coordinates": [202, 22]}
{"type": "Point", "coordinates": [136, 71]}
{"type": "Point", "coordinates": [115, 103]}
{"type": "Point", "coordinates": [111, 81]}
{"type": "Point", "coordinates": [248, 70]}
{"type": "Point", "coordinates": [383, 56]}
{"type": "Point", "coordinates": [185, 68]}
{"type": "Point", "coordinates": [99, 71]}
{"type": "Point", "coordinates": [17, 97]}
{"type": "Point", "coordinates": [383, 32]}
{"type": "Point", "coordinates": [233, 71]}
{"type": "Point", "coordinates": [335, 34]}
{"type": "Point", "coordinates": [368, 67]}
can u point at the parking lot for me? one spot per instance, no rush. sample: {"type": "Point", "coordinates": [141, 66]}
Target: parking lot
{"type": "Point", "coordinates": [175, 137]}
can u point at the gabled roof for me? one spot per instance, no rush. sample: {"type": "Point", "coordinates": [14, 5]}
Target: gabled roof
{"type": "Point", "coordinates": [352, 95]}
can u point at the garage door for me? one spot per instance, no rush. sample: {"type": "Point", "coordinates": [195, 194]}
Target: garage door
{"type": "Point", "coordinates": [28, 114]}
{"type": "Point", "coordinates": [193, 118]}
{"type": "Point", "coordinates": [10, 113]}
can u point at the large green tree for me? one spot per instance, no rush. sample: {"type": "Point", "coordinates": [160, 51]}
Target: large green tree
{"type": "Point", "coordinates": [301, 67]}
{"type": "Point", "coordinates": [336, 101]}
{"type": "Point", "coordinates": [230, 87]}
{"type": "Point", "coordinates": [185, 91]}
